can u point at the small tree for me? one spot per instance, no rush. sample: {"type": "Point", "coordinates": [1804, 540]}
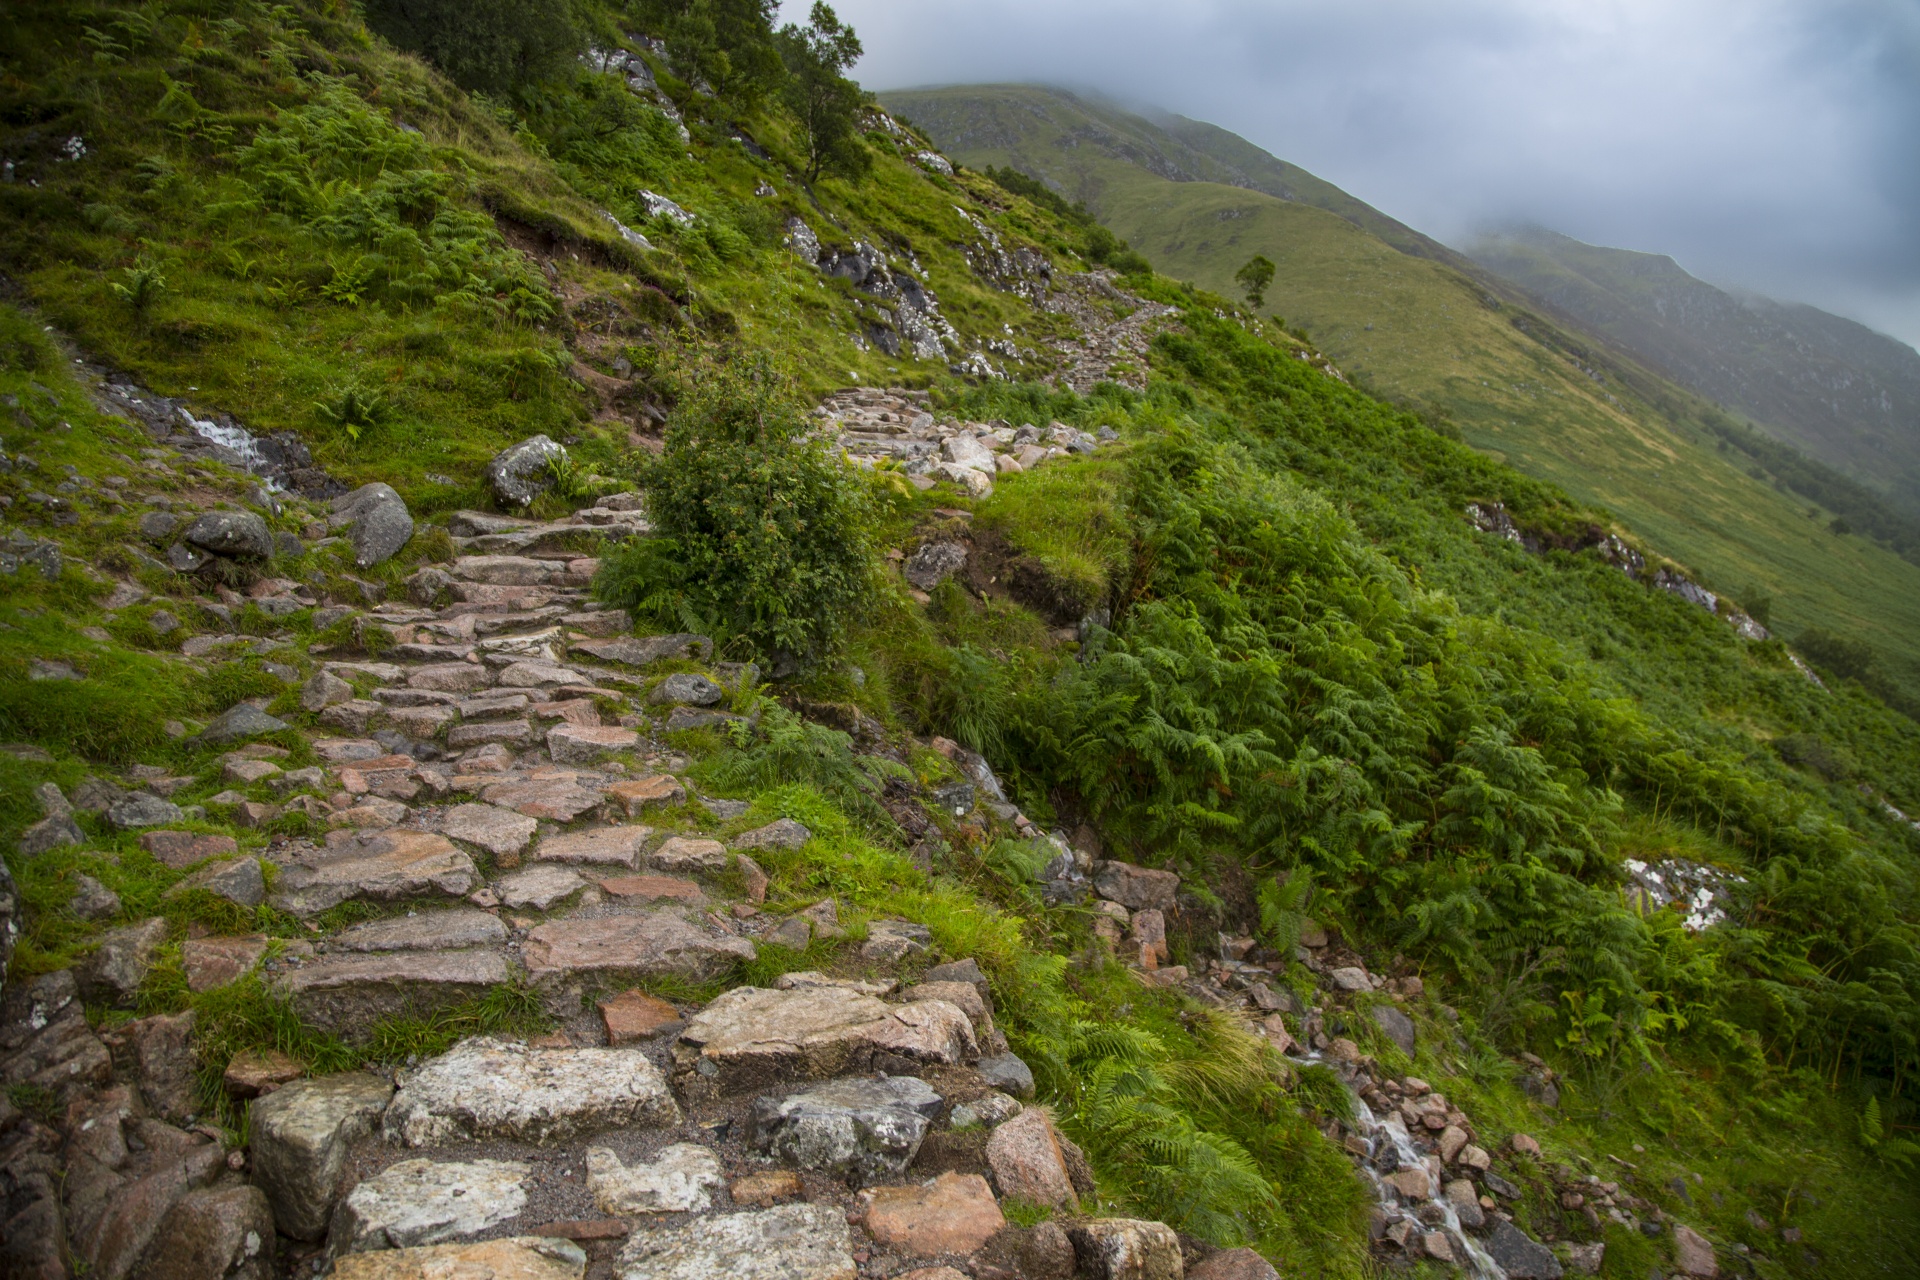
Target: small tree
{"type": "Point", "coordinates": [822, 99]}
{"type": "Point", "coordinates": [1254, 279]}
{"type": "Point", "coordinates": [728, 43]}
{"type": "Point", "coordinates": [494, 46]}
{"type": "Point", "coordinates": [760, 531]}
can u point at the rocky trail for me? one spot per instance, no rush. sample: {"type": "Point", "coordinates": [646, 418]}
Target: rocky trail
{"type": "Point", "coordinates": [493, 800]}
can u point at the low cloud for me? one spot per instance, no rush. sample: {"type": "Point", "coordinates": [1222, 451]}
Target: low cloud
{"type": "Point", "coordinates": [1765, 144]}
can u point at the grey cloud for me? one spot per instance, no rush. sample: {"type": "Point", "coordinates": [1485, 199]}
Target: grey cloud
{"type": "Point", "coordinates": [1765, 144]}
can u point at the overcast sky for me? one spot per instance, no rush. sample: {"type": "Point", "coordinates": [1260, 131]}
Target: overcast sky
{"type": "Point", "coordinates": [1767, 144]}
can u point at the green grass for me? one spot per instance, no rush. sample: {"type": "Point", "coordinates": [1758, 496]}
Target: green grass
{"type": "Point", "coordinates": [1424, 334]}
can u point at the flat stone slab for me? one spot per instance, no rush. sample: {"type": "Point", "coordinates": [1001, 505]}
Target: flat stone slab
{"type": "Point", "coordinates": [181, 849]}
{"type": "Point", "coordinates": [561, 797]}
{"type": "Point", "coordinates": [782, 834]}
{"type": "Point", "coordinates": [583, 744]}
{"type": "Point", "coordinates": [753, 1037]}
{"type": "Point", "coordinates": [654, 889]}
{"type": "Point", "coordinates": [485, 1088]}
{"type": "Point", "coordinates": [689, 853]}
{"type": "Point", "coordinates": [418, 1202]}
{"type": "Point", "coordinates": [538, 887]}
{"type": "Point", "coordinates": [602, 846]}
{"type": "Point", "coordinates": [954, 1213]}
{"type": "Point", "coordinates": [348, 994]}
{"type": "Point", "coordinates": [514, 1258]}
{"type": "Point", "coordinates": [379, 866]}
{"type": "Point", "coordinates": [440, 930]}
{"type": "Point", "coordinates": [623, 948]}
{"type": "Point", "coordinates": [678, 1180]}
{"type": "Point", "coordinates": [215, 962]}
{"type": "Point", "coordinates": [638, 794]}
{"type": "Point", "coordinates": [498, 830]}
{"type": "Point", "coordinates": [640, 651]}
{"type": "Point", "coordinates": [789, 1242]}
{"type": "Point", "coordinates": [450, 677]}
{"type": "Point", "coordinates": [859, 1128]}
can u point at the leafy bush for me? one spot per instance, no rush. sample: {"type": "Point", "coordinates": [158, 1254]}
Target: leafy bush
{"type": "Point", "coordinates": [762, 531]}
{"type": "Point", "coordinates": [491, 45]}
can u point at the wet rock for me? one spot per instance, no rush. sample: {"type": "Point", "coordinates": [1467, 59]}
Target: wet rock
{"type": "Point", "coordinates": [934, 563]}
{"type": "Point", "coordinates": [232, 533]}
{"type": "Point", "coordinates": [496, 1089]}
{"type": "Point", "coordinates": [1136, 888]}
{"type": "Point", "coordinates": [217, 1233]}
{"type": "Point", "coordinates": [239, 881]}
{"type": "Point", "coordinates": [92, 900]}
{"type": "Point", "coordinates": [114, 972]}
{"type": "Point", "coordinates": [789, 1242]}
{"type": "Point", "coordinates": [420, 1202]}
{"type": "Point", "coordinates": [1233, 1264]}
{"type": "Point", "coordinates": [784, 833]}
{"type": "Point", "coordinates": [1520, 1255]}
{"type": "Point", "coordinates": [1007, 1073]}
{"type": "Point", "coordinates": [162, 1048]}
{"type": "Point", "coordinates": [955, 1213]}
{"type": "Point", "coordinates": [1398, 1027]}
{"type": "Point", "coordinates": [1692, 1253]}
{"type": "Point", "coordinates": [377, 521]}
{"type": "Point", "coordinates": [299, 1136]}
{"type": "Point", "coordinates": [584, 744]}
{"type": "Point", "coordinates": [678, 1180]}
{"type": "Point", "coordinates": [239, 723]}
{"type": "Point", "coordinates": [215, 962]}
{"type": "Point", "coordinates": [514, 1258]}
{"type": "Point", "coordinates": [1127, 1249]}
{"type": "Point", "coordinates": [142, 809]}
{"type": "Point", "coordinates": [600, 846]}
{"type": "Point", "coordinates": [751, 1037]}
{"type": "Point", "coordinates": [858, 1128]}
{"type": "Point", "coordinates": [45, 1040]}
{"type": "Point", "coordinates": [379, 866]}
{"type": "Point", "coordinates": [1466, 1204]}
{"type": "Point", "coordinates": [347, 994]}
{"type": "Point", "coordinates": [443, 930]}
{"type": "Point", "coordinates": [523, 472]}
{"type": "Point", "coordinates": [686, 687]}
{"type": "Point", "coordinates": [1024, 1154]}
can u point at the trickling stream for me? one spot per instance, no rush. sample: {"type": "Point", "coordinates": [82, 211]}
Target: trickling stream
{"type": "Point", "coordinates": [1389, 1150]}
{"type": "Point", "coordinates": [242, 443]}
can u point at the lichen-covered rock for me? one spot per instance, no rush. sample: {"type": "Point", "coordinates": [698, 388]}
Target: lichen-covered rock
{"type": "Point", "coordinates": [514, 1258]}
{"type": "Point", "coordinates": [680, 1179]}
{"type": "Point", "coordinates": [934, 563]}
{"type": "Point", "coordinates": [299, 1136]}
{"type": "Point", "coordinates": [523, 472]}
{"type": "Point", "coordinates": [377, 521]}
{"type": "Point", "coordinates": [238, 723]}
{"type": "Point", "coordinates": [45, 1041]}
{"type": "Point", "coordinates": [858, 1128]}
{"type": "Point", "coordinates": [1127, 1249]}
{"type": "Point", "coordinates": [485, 1088]}
{"type": "Point", "coordinates": [1024, 1154]}
{"type": "Point", "coordinates": [790, 1242]}
{"type": "Point", "coordinates": [232, 533]}
{"type": "Point", "coordinates": [419, 1202]}
{"type": "Point", "coordinates": [750, 1037]}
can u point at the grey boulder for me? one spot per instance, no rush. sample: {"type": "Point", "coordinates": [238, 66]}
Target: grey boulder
{"type": "Point", "coordinates": [1398, 1026]}
{"type": "Point", "coordinates": [522, 473]}
{"type": "Point", "coordinates": [686, 687]}
{"type": "Point", "coordinates": [232, 533]}
{"type": "Point", "coordinates": [377, 521]}
{"type": "Point", "coordinates": [142, 809]}
{"type": "Point", "coordinates": [215, 1233]}
{"type": "Point", "coordinates": [858, 1127]}
{"type": "Point", "coordinates": [115, 970]}
{"type": "Point", "coordinates": [1520, 1255]}
{"type": "Point", "coordinates": [239, 880]}
{"type": "Point", "coordinates": [238, 723]}
{"type": "Point", "coordinates": [1008, 1074]}
{"type": "Point", "coordinates": [934, 563]}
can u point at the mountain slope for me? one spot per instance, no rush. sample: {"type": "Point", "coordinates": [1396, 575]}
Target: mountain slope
{"type": "Point", "coordinates": [1406, 322]}
{"type": "Point", "coordinates": [1834, 388]}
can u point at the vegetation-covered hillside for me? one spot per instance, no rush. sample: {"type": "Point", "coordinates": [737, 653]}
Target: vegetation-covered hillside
{"type": "Point", "coordinates": [1437, 334]}
{"type": "Point", "coordinates": [1833, 388]}
{"type": "Point", "coordinates": [1145, 674]}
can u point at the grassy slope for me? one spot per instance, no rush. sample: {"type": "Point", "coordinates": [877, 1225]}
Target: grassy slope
{"type": "Point", "coordinates": [1754, 1143]}
{"type": "Point", "coordinates": [1422, 333]}
{"type": "Point", "coordinates": [1829, 386]}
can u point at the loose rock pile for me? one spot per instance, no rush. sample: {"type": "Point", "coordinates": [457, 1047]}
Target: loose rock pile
{"type": "Point", "coordinates": [874, 425]}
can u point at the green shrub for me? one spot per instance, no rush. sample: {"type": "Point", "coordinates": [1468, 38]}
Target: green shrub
{"type": "Point", "coordinates": [491, 45]}
{"type": "Point", "coordinates": [762, 531]}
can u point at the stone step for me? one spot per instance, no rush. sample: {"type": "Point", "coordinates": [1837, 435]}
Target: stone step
{"type": "Point", "coordinates": [347, 993]}
{"type": "Point", "coordinates": [498, 1089]}
{"type": "Point", "coordinates": [566, 957]}
{"type": "Point", "coordinates": [381, 865]}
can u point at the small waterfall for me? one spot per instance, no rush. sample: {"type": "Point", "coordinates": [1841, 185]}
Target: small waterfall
{"type": "Point", "coordinates": [242, 443]}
